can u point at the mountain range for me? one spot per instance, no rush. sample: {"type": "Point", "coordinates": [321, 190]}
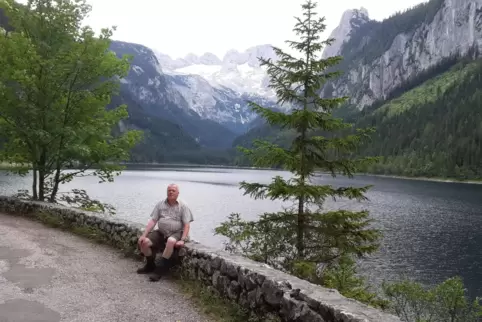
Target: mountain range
{"type": "Point", "coordinates": [194, 109]}
{"type": "Point", "coordinates": [197, 93]}
{"type": "Point", "coordinates": [186, 98]}
{"type": "Point", "coordinates": [238, 71]}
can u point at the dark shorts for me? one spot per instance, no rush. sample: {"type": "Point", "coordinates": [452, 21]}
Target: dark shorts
{"type": "Point", "coordinates": [159, 240]}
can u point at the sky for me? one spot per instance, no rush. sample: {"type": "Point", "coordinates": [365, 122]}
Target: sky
{"type": "Point", "coordinates": [180, 27]}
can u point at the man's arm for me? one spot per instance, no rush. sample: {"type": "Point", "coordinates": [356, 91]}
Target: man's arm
{"type": "Point", "coordinates": [150, 224]}
{"type": "Point", "coordinates": [155, 215]}
{"type": "Point", "coordinates": [187, 218]}
{"type": "Point", "coordinates": [185, 231]}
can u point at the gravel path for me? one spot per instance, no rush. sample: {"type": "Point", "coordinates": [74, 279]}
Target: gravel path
{"type": "Point", "coordinates": [52, 276]}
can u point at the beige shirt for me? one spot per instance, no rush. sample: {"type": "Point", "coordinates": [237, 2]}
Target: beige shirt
{"type": "Point", "coordinates": [171, 219]}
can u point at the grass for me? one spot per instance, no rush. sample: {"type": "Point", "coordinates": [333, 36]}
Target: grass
{"type": "Point", "coordinates": [216, 307]}
{"type": "Point", "coordinates": [428, 92]}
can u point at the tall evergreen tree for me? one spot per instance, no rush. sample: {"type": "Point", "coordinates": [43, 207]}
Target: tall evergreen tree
{"type": "Point", "coordinates": [300, 238]}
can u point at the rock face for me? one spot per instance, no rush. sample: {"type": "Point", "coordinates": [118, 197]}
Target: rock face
{"type": "Point", "coordinates": [433, 31]}
{"type": "Point", "coordinates": [351, 20]}
{"type": "Point", "coordinates": [253, 285]}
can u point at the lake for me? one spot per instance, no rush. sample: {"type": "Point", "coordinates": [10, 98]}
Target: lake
{"type": "Point", "coordinates": [432, 229]}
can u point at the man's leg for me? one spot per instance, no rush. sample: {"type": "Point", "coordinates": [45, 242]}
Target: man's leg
{"type": "Point", "coordinates": [171, 242]}
{"type": "Point", "coordinates": [149, 249]}
{"type": "Point", "coordinates": [165, 259]}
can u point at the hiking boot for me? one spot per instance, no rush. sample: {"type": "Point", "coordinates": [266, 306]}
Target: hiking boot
{"type": "Point", "coordinates": [149, 267]}
{"type": "Point", "coordinates": [160, 270]}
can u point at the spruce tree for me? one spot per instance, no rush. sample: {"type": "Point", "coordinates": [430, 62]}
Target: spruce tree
{"type": "Point", "coordinates": [304, 238]}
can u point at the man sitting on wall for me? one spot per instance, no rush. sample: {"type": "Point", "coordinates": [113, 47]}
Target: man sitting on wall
{"type": "Point", "coordinates": [173, 218]}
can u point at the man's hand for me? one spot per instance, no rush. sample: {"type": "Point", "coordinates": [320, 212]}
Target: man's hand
{"type": "Point", "coordinates": [141, 240]}
{"type": "Point", "coordinates": [150, 224]}
{"type": "Point", "coordinates": [180, 243]}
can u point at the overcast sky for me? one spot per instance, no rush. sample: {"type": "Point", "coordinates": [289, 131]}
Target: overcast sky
{"type": "Point", "coordinates": [179, 27]}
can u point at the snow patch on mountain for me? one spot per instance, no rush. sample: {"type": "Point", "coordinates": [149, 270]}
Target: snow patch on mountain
{"type": "Point", "coordinates": [238, 71]}
{"type": "Point", "coordinates": [219, 104]}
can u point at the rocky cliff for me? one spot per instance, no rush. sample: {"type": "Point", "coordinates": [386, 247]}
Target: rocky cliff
{"type": "Point", "coordinates": [379, 56]}
{"type": "Point", "coordinates": [350, 21]}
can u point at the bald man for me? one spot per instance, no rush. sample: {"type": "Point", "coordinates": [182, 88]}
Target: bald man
{"type": "Point", "coordinates": [173, 218]}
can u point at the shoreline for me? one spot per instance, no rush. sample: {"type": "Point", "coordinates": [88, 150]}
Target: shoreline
{"type": "Point", "coordinates": [187, 165]}
{"type": "Point", "coordinates": [429, 179]}
{"type": "Point", "coordinates": [7, 167]}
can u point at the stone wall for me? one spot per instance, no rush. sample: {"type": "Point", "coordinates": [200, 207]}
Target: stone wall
{"type": "Point", "coordinates": [251, 284]}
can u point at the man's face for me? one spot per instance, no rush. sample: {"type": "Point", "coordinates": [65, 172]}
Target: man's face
{"type": "Point", "coordinates": [172, 192]}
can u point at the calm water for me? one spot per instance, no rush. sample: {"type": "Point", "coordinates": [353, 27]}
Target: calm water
{"type": "Point", "coordinates": [432, 230]}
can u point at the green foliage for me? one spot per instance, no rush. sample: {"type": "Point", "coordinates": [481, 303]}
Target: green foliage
{"type": "Point", "coordinates": [343, 277]}
{"type": "Point", "coordinates": [56, 79]}
{"type": "Point", "coordinates": [435, 131]}
{"type": "Point", "coordinates": [446, 302]}
{"type": "Point", "coordinates": [304, 237]}
{"type": "Point", "coordinates": [429, 92]}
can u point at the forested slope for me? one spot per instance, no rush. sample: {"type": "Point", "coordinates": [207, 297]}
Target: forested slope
{"type": "Point", "coordinates": [434, 130]}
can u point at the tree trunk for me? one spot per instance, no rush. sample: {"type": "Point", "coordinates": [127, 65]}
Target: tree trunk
{"type": "Point", "coordinates": [55, 188]}
{"type": "Point", "coordinates": [301, 206]}
{"type": "Point", "coordinates": [41, 185]}
{"type": "Point", "coordinates": [300, 245]}
{"type": "Point", "coordinates": [265, 247]}
{"type": "Point", "coordinates": [300, 242]}
{"type": "Point", "coordinates": [41, 176]}
{"type": "Point", "coordinates": [34, 183]}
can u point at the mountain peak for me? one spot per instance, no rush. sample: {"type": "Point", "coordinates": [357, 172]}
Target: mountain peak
{"type": "Point", "coordinates": [262, 51]}
{"type": "Point", "coordinates": [351, 19]}
{"type": "Point", "coordinates": [354, 13]}
{"type": "Point", "coordinates": [192, 58]}
{"type": "Point", "coordinates": [209, 59]}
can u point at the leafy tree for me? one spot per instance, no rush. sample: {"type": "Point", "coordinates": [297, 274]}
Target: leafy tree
{"type": "Point", "coordinates": [446, 302]}
{"type": "Point", "coordinates": [304, 239]}
{"type": "Point", "coordinates": [56, 79]}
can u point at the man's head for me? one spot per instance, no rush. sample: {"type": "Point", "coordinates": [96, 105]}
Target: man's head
{"type": "Point", "coordinates": [172, 192]}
